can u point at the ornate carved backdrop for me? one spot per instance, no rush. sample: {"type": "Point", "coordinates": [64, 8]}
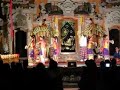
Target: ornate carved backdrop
{"type": "Point", "coordinates": [68, 38]}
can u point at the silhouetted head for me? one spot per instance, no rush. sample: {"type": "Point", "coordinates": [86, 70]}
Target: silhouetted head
{"type": "Point", "coordinates": [90, 63]}
{"type": "Point", "coordinates": [95, 57]}
{"type": "Point", "coordinates": [40, 66]}
{"type": "Point", "coordinates": [102, 64]}
{"type": "Point", "coordinates": [113, 62]}
{"type": "Point", "coordinates": [52, 64]}
{"type": "Point", "coordinates": [25, 63]}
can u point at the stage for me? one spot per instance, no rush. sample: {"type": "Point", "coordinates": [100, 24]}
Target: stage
{"type": "Point", "coordinates": [78, 63]}
{"type": "Point", "coordinates": [69, 63]}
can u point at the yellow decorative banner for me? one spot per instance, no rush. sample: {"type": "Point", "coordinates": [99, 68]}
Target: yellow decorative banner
{"type": "Point", "coordinates": [81, 19]}
{"type": "Point", "coordinates": [56, 20]}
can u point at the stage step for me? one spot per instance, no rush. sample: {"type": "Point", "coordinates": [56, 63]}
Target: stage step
{"type": "Point", "coordinates": [71, 88]}
{"type": "Point", "coordinates": [70, 85]}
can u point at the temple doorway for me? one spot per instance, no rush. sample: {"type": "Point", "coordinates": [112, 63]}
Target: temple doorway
{"type": "Point", "coordinates": [114, 34]}
{"type": "Point", "coordinates": [20, 42]}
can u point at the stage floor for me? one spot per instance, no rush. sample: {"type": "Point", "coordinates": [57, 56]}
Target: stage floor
{"type": "Point", "coordinates": [72, 63]}
{"type": "Point", "coordinates": [78, 63]}
{"type": "Point", "coordinates": [65, 63]}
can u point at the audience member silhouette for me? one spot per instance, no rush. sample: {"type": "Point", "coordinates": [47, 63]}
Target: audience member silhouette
{"type": "Point", "coordinates": [55, 75]}
{"type": "Point", "coordinates": [114, 76]}
{"type": "Point", "coordinates": [40, 78]}
{"type": "Point", "coordinates": [25, 64]}
{"type": "Point", "coordinates": [89, 76]}
{"type": "Point", "coordinates": [101, 71]}
{"type": "Point", "coordinates": [14, 76]}
{"type": "Point", "coordinates": [113, 63]}
{"type": "Point", "coordinates": [95, 58]}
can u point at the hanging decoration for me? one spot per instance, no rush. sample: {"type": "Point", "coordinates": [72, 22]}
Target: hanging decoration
{"type": "Point", "coordinates": [81, 19]}
{"type": "Point", "coordinates": [56, 33]}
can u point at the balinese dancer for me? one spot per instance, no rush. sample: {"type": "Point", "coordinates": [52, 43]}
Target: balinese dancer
{"type": "Point", "coordinates": [90, 48]}
{"type": "Point", "coordinates": [83, 48]}
{"type": "Point", "coordinates": [105, 47]}
{"type": "Point", "coordinates": [32, 47]}
{"type": "Point", "coordinates": [42, 50]}
{"type": "Point", "coordinates": [55, 47]}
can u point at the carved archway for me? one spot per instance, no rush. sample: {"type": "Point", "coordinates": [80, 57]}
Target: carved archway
{"type": "Point", "coordinates": [20, 42]}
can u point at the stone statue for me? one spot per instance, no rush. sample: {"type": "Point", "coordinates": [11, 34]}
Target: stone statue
{"type": "Point", "coordinates": [68, 7]}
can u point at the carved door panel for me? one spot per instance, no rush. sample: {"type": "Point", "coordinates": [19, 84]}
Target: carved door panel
{"type": "Point", "coordinates": [68, 38]}
{"type": "Point", "coordinates": [114, 34]}
{"type": "Point", "coordinates": [20, 43]}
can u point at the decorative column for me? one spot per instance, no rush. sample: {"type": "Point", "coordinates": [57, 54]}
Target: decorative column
{"type": "Point", "coordinates": [11, 26]}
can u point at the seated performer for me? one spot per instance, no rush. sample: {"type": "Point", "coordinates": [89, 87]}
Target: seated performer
{"type": "Point", "coordinates": [117, 53]}
{"type": "Point", "coordinates": [31, 46]}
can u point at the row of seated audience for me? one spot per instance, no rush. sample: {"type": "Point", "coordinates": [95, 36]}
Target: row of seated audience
{"type": "Point", "coordinates": [105, 77]}
{"type": "Point", "coordinates": [18, 76]}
